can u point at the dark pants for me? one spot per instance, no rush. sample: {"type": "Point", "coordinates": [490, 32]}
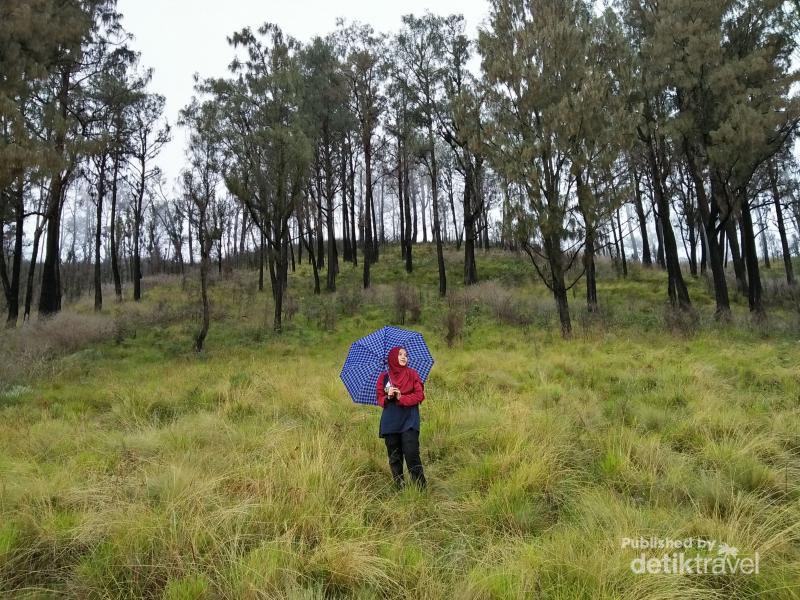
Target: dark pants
{"type": "Point", "coordinates": [405, 445]}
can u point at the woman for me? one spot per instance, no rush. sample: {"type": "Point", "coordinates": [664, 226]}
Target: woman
{"type": "Point", "coordinates": [400, 392]}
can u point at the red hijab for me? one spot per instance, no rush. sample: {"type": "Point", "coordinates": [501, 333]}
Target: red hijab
{"type": "Point", "coordinates": [401, 377]}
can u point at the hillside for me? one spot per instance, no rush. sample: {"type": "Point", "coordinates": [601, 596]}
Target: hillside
{"type": "Point", "coordinates": [132, 467]}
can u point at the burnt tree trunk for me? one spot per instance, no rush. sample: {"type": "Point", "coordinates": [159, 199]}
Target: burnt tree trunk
{"type": "Point", "coordinates": [368, 246]}
{"type": "Point", "coordinates": [437, 234]}
{"type": "Point", "coordinates": [137, 226]}
{"type": "Point", "coordinates": [113, 232]}
{"type": "Point", "coordinates": [101, 192]}
{"type": "Point", "coordinates": [353, 237]}
{"type": "Point", "coordinates": [12, 287]}
{"type": "Point", "coordinates": [407, 204]}
{"type": "Point", "coordinates": [400, 200]}
{"type": "Point", "coordinates": [470, 267]}
{"type": "Point", "coordinates": [754, 296]}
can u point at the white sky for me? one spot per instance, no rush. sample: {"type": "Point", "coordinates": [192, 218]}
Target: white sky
{"type": "Point", "coordinates": [178, 38]}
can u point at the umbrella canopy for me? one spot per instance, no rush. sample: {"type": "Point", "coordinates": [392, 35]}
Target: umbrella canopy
{"type": "Point", "coordinates": [367, 360]}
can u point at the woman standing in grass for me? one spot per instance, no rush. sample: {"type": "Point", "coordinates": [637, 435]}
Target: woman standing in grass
{"type": "Point", "coordinates": [400, 392]}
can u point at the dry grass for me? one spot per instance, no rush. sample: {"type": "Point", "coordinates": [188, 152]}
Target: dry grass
{"type": "Point", "coordinates": [28, 350]}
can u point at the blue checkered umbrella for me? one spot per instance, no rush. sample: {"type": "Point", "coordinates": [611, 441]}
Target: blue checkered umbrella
{"type": "Point", "coordinates": [367, 360]}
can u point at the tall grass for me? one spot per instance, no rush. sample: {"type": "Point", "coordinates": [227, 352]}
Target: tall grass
{"type": "Point", "coordinates": [131, 467]}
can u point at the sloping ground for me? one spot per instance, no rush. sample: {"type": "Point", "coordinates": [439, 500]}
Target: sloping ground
{"type": "Point", "coordinates": [133, 468]}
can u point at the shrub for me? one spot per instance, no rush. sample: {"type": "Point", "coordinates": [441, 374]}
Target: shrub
{"type": "Point", "coordinates": [290, 306]}
{"type": "Point", "coordinates": [454, 320]}
{"type": "Point", "coordinates": [503, 304]}
{"type": "Point", "coordinates": [322, 311]}
{"type": "Point", "coordinates": [351, 300]}
{"type": "Point", "coordinates": [26, 350]}
{"type": "Point", "coordinates": [407, 300]}
{"type": "Point", "coordinates": [683, 322]}
{"type": "Point", "coordinates": [602, 318]}
{"type": "Point", "coordinates": [510, 311]}
{"type": "Point", "coordinates": [328, 317]}
{"type": "Point", "coordinates": [779, 292]}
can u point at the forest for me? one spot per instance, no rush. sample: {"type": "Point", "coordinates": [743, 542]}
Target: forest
{"type": "Point", "coordinates": [662, 134]}
{"type": "Point", "coordinates": [590, 211]}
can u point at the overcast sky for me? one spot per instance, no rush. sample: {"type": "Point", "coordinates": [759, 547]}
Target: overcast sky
{"type": "Point", "coordinates": [178, 38]}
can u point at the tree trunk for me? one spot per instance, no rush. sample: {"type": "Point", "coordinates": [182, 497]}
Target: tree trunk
{"type": "Point", "coordinates": [320, 253]}
{"type": "Point", "coordinates": [12, 292]}
{"type": "Point", "coordinates": [407, 197]}
{"type": "Point", "coordinates": [555, 260]}
{"type": "Point", "coordinates": [50, 293]}
{"type": "Point", "coordinates": [300, 245]}
{"type": "Point", "coordinates": [703, 249]}
{"type": "Point", "coordinates": [382, 213]}
{"type": "Point", "coordinates": [456, 232]}
{"type": "Point", "coordinates": [776, 198]}
{"type": "Point", "coordinates": [470, 268]}
{"type": "Point", "coordinates": [189, 237]}
{"type": "Point", "coordinates": [660, 239]}
{"type": "Point", "coordinates": [242, 234]}
{"type": "Point", "coordinates": [413, 199]}
{"type": "Point", "coordinates": [754, 296]}
{"type": "Point", "coordinates": [113, 232]}
{"type": "Point", "coordinates": [591, 273]}
{"type": "Point", "coordinates": [646, 258]}
{"type": "Point", "coordinates": [101, 192]}
{"type": "Point", "coordinates": [368, 246]}
{"type": "Point", "coordinates": [333, 259]}
{"type": "Point", "coordinates": [205, 251]}
{"type": "Point", "coordinates": [279, 272]}
{"type": "Point", "coordinates": [353, 237]}
{"type": "Point", "coordinates": [692, 246]}
{"type": "Point", "coordinates": [622, 247]}
{"type": "Point", "coordinates": [422, 214]}
{"type": "Point", "coordinates": [709, 212]}
{"type": "Point", "coordinates": [137, 226]}
{"type": "Point", "coordinates": [375, 244]}
{"type": "Point", "coordinates": [763, 236]}
{"type": "Point", "coordinates": [436, 230]}
{"type": "Point", "coordinates": [312, 258]}
{"type": "Point", "coordinates": [219, 256]}
{"type": "Point", "coordinates": [589, 245]}
{"type": "Point", "coordinates": [739, 267]}
{"type": "Point", "coordinates": [260, 260]}
{"type": "Point", "coordinates": [484, 209]}
{"type": "Point", "coordinates": [401, 202]}
{"type": "Point", "coordinates": [678, 293]}
{"type": "Point", "coordinates": [346, 249]}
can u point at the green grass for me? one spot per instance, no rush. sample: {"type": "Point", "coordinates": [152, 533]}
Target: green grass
{"type": "Point", "coordinates": [131, 467]}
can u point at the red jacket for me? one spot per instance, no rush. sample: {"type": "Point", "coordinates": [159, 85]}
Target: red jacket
{"type": "Point", "coordinates": [416, 396]}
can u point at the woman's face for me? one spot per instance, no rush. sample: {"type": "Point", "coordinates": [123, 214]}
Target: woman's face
{"type": "Point", "coordinates": [402, 357]}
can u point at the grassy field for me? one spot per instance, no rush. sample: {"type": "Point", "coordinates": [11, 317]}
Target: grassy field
{"type": "Point", "coordinates": [131, 467]}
